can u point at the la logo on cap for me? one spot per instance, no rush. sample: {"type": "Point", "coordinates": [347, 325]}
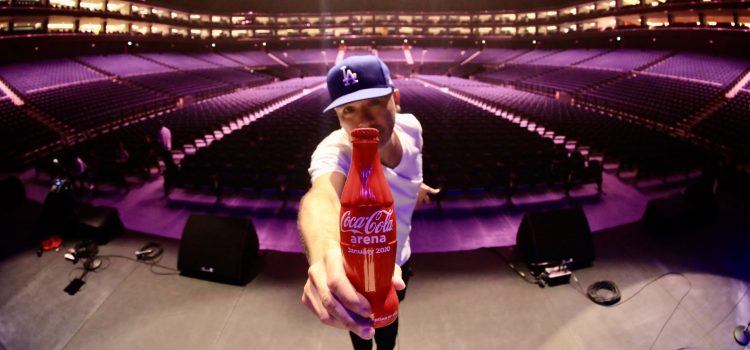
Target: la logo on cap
{"type": "Point", "coordinates": [349, 76]}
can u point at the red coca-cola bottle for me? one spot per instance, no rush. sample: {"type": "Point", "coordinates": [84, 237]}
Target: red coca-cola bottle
{"type": "Point", "coordinates": [368, 228]}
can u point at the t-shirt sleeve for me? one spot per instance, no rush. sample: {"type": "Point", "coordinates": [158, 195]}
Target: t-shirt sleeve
{"type": "Point", "coordinates": [413, 127]}
{"type": "Point", "coordinates": [420, 141]}
{"type": "Point", "coordinates": [328, 157]}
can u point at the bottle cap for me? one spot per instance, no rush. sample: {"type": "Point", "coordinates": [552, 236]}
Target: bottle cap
{"type": "Point", "coordinates": [365, 134]}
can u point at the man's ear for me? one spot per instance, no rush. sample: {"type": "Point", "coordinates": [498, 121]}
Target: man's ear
{"type": "Point", "coordinates": [397, 99]}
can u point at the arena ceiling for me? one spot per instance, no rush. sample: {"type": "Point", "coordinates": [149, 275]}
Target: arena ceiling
{"type": "Point", "coordinates": [287, 6]}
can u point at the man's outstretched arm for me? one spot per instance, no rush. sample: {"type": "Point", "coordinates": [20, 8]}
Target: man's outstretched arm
{"type": "Point", "coordinates": [318, 215]}
{"type": "Point", "coordinates": [328, 293]}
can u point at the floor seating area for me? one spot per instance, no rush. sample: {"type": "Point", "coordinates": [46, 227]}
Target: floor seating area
{"type": "Point", "coordinates": [634, 147]}
{"type": "Point", "coordinates": [471, 151]}
{"type": "Point", "coordinates": [89, 105]}
{"type": "Point", "coordinates": [730, 125]}
{"type": "Point", "coordinates": [96, 94]}
{"type": "Point", "coordinates": [270, 156]}
{"type": "Point", "coordinates": [20, 133]}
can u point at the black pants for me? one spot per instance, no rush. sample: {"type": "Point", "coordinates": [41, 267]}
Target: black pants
{"type": "Point", "coordinates": [385, 337]}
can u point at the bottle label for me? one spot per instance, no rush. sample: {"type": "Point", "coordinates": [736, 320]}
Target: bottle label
{"type": "Point", "coordinates": [368, 230]}
{"type": "Point", "coordinates": [368, 242]}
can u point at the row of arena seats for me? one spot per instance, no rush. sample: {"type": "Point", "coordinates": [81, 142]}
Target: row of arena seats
{"type": "Point", "coordinates": [664, 100]}
{"type": "Point", "coordinates": [703, 67]}
{"type": "Point", "coordinates": [88, 105]}
{"type": "Point", "coordinates": [93, 104]}
{"type": "Point", "coordinates": [466, 150]}
{"type": "Point", "coordinates": [198, 83]}
{"type": "Point", "coordinates": [652, 153]}
{"type": "Point", "coordinates": [730, 126]}
{"type": "Point", "coordinates": [56, 87]}
{"type": "Point", "coordinates": [48, 74]}
{"type": "Point", "coordinates": [188, 124]}
{"type": "Point", "coordinates": [469, 150]}
{"type": "Point", "coordinates": [271, 154]}
{"type": "Point", "coordinates": [660, 99]}
{"type": "Point", "coordinates": [31, 76]}
{"type": "Point", "coordinates": [721, 70]}
{"type": "Point", "coordinates": [20, 133]}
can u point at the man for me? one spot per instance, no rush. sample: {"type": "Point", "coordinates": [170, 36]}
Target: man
{"type": "Point", "coordinates": [362, 95]}
{"type": "Point", "coordinates": [165, 137]}
{"type": "Point", "coordinates": [165, 151]}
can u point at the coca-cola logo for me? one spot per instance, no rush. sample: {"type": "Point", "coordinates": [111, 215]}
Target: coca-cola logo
{"type": "Point", "coordinates": [378, 222]}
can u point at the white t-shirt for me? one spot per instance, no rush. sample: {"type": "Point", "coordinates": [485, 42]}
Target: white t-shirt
{"type": "Point", "coordinates": [165, 138]}
{"type": "Point", "coordinates": [334, 153]}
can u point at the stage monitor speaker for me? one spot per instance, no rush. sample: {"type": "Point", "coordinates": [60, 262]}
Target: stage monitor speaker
{"type": "Point", "coordinates": [98, 223]}
{"type": "Point", "coordinates": [679, 212]}
{"type": "Point", "coordinates": [550, 237]}
{"type": "Point", "coordinates": [12, 193]}
{"type": "Point", "coordinates": [59, 211]}
{"type": "Point", "coordinates": [220, 249]}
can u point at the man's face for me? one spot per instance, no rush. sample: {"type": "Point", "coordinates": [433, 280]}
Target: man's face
{"type": "Point", "coordinates": [378, 113]}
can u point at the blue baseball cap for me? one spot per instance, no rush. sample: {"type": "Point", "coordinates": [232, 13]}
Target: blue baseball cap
{"type": "Point", "coordinates": [358, 78]}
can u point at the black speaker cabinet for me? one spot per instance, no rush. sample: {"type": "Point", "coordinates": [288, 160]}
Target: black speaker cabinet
{"type": "Point", "coordinates": [550, 237]}
{"type": "Point", "coordinates": [679, 212]}
{"type": "Point", "coordinates": [220, 249]}
{"type": "Point", "coordinates": [12, 193]}
{"type": "Point", "coordinates": [59, 215]}
{"type": "Point", "coordinates": [98, 223]}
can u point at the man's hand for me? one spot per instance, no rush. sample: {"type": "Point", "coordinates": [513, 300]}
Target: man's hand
{"type": "Point", "coordinates": [330, 296]}
{"type": "Point", "coordinates": [423, 196]}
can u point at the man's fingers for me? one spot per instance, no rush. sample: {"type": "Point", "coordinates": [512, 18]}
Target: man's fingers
{"type": "Point", "coordinates": [429, 189]}
{"type": "Point", "coordinates": [330, 312]}
{"type": "Point", "coordinates": [357, 324]}
{"type": "Point", "coordinates": [312, 302]}
{"type": "Point", "coordinates": [336, 314]}
{"type": "Point", "coordinates": [344, 291]}
{"type": "Point", "coordinates": [398, 280]}
{"type": "Point", "coordinates": [423, 197]}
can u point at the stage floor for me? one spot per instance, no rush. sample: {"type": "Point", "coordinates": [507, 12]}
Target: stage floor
{"type": "Point", "coordinates": [456, 300]}
{"type": "Point", "coordinates": [461, 224]}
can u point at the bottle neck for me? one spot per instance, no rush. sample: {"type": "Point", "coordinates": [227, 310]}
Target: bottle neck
{"type": "Point", "coordinates": [366, 183]}
{"type": "Point", "coordinates": [365, 153]}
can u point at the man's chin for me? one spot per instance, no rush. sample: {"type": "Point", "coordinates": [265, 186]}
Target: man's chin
{"type": "Point", "coordinates": [383, 140]}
